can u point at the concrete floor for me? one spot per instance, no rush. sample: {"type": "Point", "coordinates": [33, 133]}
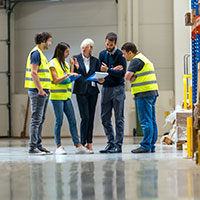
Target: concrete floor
{"type": "Point", "coordinates": [161, 175]}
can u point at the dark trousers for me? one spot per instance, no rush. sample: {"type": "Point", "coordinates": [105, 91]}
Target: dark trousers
{"type": "Point", "coordinates": [87, 106]}
{"type": "Point", "coordinates": [113, 98]}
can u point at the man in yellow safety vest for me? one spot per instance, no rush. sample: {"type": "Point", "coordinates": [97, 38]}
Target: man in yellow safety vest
{"type": "Point", "coordinates": [38, 82]}
{"type": "Point", "coordinates": [144, 87]}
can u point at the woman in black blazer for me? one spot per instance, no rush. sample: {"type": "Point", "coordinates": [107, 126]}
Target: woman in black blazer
{"type": "Point", "coordinates": [86, 91]}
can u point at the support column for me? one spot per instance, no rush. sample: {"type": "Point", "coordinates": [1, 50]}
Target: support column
{"type": "Point", "coordinates": [135, 8]}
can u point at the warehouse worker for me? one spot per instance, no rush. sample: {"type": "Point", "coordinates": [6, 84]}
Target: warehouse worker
{"type": "Point", "coordinates": [38, 82]}
{"type": "Point", "coordinates": [144, 87]}
{"type": "Point", "coordinates": [60, 96]}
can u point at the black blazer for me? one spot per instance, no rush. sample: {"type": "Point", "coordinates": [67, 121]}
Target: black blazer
{"type": "Point", "coordinates": [82, 86]}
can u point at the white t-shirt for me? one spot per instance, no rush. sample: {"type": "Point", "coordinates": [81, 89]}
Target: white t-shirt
{"type": "Point", "coordinates": [52, 64]}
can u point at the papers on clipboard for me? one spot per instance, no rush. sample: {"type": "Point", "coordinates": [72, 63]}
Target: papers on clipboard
{"type": "Point", "coordinates": [73, 78]}
{"type": "Point", "coordinates": [97, 75]}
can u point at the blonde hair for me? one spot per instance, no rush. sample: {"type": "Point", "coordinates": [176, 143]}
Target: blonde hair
{"type": "Point", "coordinates": [87, 42]}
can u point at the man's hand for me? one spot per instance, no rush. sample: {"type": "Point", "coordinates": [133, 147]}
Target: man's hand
{"type": "Point", "coordinates": [132, 78]}
{"type": "Point", "coordinates": [104, 67]}
{"type": "Point", "coordinates": [118, 67]}
{"type": "Point", "coordinates": [129, 75]}
{"type": "Point", "coordinates": [42, 93]}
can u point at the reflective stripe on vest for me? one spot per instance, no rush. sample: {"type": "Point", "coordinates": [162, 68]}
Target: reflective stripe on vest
{"type": "Point", "coordinates": [144, 83]}
{"type": "Point", "coordinates": [43, 71]}
{"type": "Point", "coordinates": [60, 91]}
{"type": "Point", "coordinates": [41, 79]}
{"type": "Point", "coordinates": [145, 78]}
{"type": "Point", "coordinates": [145, 73]}
{"type": "Point", "coordinates": [39, 70]}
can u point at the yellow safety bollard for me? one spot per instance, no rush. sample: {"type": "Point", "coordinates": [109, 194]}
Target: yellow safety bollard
{"type": "Point", "coordinates": [185, 77]}
{"type": "Point", "coordinates": [189, 137]}
{"type": "Point", "coordinates": [185, 91]}
{"type": "Point", "coordinates": [190, 96]}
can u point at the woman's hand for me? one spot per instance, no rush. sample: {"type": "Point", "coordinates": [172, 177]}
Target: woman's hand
{"type": "Point", "coordinates": [101, 80]}
{"type": "Point", "coordinates": [71, 60]}
{"type": "Point", "coordinates": [76, 63]}
{"type": "Point", "coordinates": [73, 74]}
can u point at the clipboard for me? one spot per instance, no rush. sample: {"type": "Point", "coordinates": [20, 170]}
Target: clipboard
{"type": "Point", "coordinates": [97, 75]}
{"type": "Point", "coordinates": [73, 78]}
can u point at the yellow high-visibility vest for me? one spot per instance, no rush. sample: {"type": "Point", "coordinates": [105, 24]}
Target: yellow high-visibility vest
{"type": "Point", "coordinates": [60, 91]}
{"type": "Point", "coordinates": [43, 71]}
{"type": "Point", "coordinates": [145, 78]}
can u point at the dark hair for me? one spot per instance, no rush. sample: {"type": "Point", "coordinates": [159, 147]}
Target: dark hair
{"type": "Point", "coordinates": [129, 46]}
{"type": "Point", "coordinates": [42, 37]}
{"type": "Point", "coordinates": [111, 37]}
{"type": "Point", "coordinates": [59, 53]}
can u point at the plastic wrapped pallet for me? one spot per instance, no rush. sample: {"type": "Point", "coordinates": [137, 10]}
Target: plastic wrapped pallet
{"type": "Point", "coordinates": [181, 123]}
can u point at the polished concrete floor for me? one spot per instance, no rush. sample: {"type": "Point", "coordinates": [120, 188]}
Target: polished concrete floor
{"type": "Point", "coordinates": [161, 175]}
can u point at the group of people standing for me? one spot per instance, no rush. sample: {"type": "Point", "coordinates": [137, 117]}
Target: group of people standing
{"type": "Point", "coordinates": [53, 81]}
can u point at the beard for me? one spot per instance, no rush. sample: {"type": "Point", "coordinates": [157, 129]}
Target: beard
{"type": "Point", "coordinates": [110, 50]}
{"type": "Point", "coordinates": [46, 46]}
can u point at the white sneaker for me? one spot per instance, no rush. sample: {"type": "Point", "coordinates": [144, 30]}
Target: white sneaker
{"type": "Point", "coordinates": [82, 150]}
{"type": "Point", "coordinates": [60, 150]}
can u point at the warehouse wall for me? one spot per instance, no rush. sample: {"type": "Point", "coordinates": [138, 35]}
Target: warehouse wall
{"type": "Point", "coordinates": [76, 20]}
{"type": "Point", "coordinates": [73, 22]}
{"type": "Point", "coordinates": [3, 76]}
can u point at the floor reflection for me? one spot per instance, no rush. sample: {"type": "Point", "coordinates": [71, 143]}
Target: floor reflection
{"type": "Point", "coordinates": [59, 181]}
{"type": "Point", "coordinates": [163, 175]}
{"type": "Point", "coordinates": [148, 179]}
{"type": "Point", "coordinates": [73, 182]}
{"type": "Point", "coordinates": [114, 180]}
{"type": "Point", "coordinates": [87, 180]}
{"type": "Point", "coordinates": [37, 181]}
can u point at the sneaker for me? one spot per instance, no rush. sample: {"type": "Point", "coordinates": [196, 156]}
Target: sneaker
{"type": "Point", "coordinates": [35, 151]}
{"type": "Point", "coordinates": [82, 150]}
{"type": "Point", "coordinates": [60, 150]}
{"type": "Point", "coordinates": [42, 149]}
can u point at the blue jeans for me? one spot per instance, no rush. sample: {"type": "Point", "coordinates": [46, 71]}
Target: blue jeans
{"type": "Point", "coordinates": [60, 107]}
{"type": "Point", "coordinates": [38, 108]}
{"type": "Point", "coordinates": [147, 118]}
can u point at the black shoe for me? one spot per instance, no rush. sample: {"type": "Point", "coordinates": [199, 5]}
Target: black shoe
{"type": "Point", "coordinates": [139, 150]}
{"type": "Point", "coordinates": [107, 148]}
{"type": "Point", "coordinates": [42, 149]}
{"type": "Point", "coordinates": [153, 151]}
{"type": "Point", "coordinates": [115, 149]}
{"type": "Point", "coordinates": [35, 151]}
